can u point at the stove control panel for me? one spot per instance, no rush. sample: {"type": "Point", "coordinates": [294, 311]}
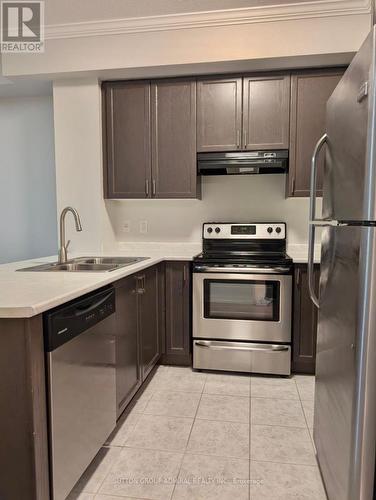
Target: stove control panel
{"type": "Point", "coordinates": [255, 231]}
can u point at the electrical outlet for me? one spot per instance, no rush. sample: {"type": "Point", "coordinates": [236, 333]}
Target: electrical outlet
{"type": "Point", "coordinates": [126, 228]}
{"type": "Point", "coordinates": [143, 226]}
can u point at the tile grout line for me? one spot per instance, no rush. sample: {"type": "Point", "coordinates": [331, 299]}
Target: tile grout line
{"type": "Point", "coordinates": [189, 437]}
{"type": "Point", "coordinates": [223, 456]}
{"type": "Point", "coordinates": [313, 466]}
{"type": "Point", "coordinates": [134, 427]}
{"type": "Point", "coordinates": [104, 478]}
{"type": "Point", "coordinates": [113, 495]}
{"type": "Point", "coordinates": [113, 464]}
{"type": "Point", "coordinates": [305, 418]}
{"type": "Point", "coordinates": [184, 452]}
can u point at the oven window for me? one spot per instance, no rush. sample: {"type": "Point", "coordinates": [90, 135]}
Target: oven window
{"type": "Point", "coordinates": [245, 300]}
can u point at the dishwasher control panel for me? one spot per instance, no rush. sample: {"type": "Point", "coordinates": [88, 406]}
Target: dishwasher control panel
{"type": "Point", "coordinates": [66, 322]}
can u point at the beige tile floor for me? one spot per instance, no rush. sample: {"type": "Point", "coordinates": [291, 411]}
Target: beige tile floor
{"type": "Point", "coordinates": [198, 436]}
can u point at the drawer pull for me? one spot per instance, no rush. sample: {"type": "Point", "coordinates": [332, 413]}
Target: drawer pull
{"type": "Point", "coordinates": [256, 347]}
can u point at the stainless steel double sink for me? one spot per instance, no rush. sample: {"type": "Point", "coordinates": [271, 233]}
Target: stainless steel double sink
{"type": "Point", "coordinates": [87, 264]}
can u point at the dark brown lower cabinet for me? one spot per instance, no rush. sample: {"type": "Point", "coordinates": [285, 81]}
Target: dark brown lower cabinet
{"type": "Point", "coordinates": [304, 322]}
{"type": "Point", "coordinates": [178, 313]}
{"type": "Point", "coordinates": [138, 344]}
{"type": "Point", "coordinates": [128, 369]}
{"type": "Point", "coordinates": [24, 467]}
{"type": "Point", "coordinates": [148, 317]}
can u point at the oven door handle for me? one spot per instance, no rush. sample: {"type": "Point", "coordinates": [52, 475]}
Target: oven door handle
{"type": "Point", "coordinates": [248, 270]}
{"type": "Point", "coordinates": [274, 348]}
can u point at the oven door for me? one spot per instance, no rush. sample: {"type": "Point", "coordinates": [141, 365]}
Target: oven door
{"type": "Point", "coordinates": [249, 307]}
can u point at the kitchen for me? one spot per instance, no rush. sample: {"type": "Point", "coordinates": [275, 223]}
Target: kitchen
{"type": "Point", "coordinates": [132, 313]}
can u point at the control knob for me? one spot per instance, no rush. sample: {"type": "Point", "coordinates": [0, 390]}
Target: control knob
{"type": "Point", "coordinates": [210, 230]}
{"type": "Point", "coordinates": [270, 230]}
{"type": "Point", "coordinates": [217, 230]}
{"type": "Point", "coordinates": [278, 230]}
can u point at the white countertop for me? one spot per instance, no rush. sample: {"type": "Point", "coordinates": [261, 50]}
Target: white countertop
{"type": "Point", "coordinates": [26, 294]}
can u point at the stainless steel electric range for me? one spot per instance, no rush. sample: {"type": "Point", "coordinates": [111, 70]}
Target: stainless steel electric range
{"type": "Point", "coordinates": [242, 297]}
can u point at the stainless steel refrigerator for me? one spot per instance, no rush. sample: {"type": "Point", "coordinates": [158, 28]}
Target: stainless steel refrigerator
{"type": "Point", "coordinates": [345, 398]}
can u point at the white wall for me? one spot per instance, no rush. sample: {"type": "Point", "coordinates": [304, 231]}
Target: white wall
{"type": "Point", "coordinates": [71, 11]}
{"type": "Point", "coordinates": [27, 173]}
{"type": "Point", "coordinates": [228, 198]}
{"type": "Point", "coordinates": [80, 183]}
{"type": "Point", "coordinates": [78, 154]}
{"type": "Point", "coordinates": [253, 35]}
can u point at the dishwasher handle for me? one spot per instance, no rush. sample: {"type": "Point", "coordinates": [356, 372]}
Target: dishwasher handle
{"type": "Point", "coordinates": [67, 322]}
{"type": "Point", "coordinates": [85, 309]}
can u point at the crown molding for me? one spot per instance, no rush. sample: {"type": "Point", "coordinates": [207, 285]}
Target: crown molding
{"type": "Point", "coordinates": [217, 18]}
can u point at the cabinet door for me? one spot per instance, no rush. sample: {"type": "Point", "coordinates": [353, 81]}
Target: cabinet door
{"type": "Point", "coordinates": [127, 156]}
{"type": "Point", "coordinates": [266, 109]}
{"type": "Point", "coordinates": [178, 291]}
{"type": "Point", "coordinates": [310, 92]}
{"type": "Point", "coordinates": [148, 311]}
{"type": "Point", "coordinates": [128, 372]}
{"type": "Point", "coordinates": [219, 109]}
{"type": "Point", "coordinates": [174, 139]}
{"type": "Point", "coordinates": [305, 323]}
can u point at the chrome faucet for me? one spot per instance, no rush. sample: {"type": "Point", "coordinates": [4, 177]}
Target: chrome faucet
{"type": "Point", "coordinates": [63, 250]}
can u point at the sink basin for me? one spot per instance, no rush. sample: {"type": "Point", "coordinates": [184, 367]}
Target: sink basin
{"type": "Point", "coordinates": [87, 264]}
{"type": "Point", "coordinates": [109, 260]}
{"type": "Point", "coordinates": [81, 267]}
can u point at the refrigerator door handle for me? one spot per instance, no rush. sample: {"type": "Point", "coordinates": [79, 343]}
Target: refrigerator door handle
{"type": "Point", "coordinates": [312, 193]}
{"type": "Point", "coordinates": [312, 219]}
{"type": "Point", "coordinates": [311, 254]}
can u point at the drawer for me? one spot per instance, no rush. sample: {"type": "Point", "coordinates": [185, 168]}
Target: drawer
{"type": "Point", "coordinates": [242, 357]}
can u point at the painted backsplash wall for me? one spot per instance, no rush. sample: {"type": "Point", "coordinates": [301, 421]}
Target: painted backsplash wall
{"type": "Point", "coordinates": [226, 198]}
{"type": "Point", "coordinates": [78, 136]}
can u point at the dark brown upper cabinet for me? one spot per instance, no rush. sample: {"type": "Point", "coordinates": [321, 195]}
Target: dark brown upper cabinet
{"type": "Point", "coordinates": [243, 113]}
{"type": "Point", "coordinates": [150, 139]}
{"type": "Point", "coordinates": [174, 139]}
{"type": "Point", "coordinates": [126, 121]}
{"type": "Point", "coordinates": [219, 114]}
{"type": "Point", "coordinates": [310, 91]}
{"type": "Point", "coordinates": [266, 108]}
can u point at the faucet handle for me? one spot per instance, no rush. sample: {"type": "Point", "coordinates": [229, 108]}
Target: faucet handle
{"type": "Point", "coordinates": [67, 244]}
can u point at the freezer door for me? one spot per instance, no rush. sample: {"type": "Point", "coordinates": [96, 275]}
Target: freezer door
{"type": "Point", "coordinates": [349, 172]}
{"type": "Point", "coordinates": [344, 422]}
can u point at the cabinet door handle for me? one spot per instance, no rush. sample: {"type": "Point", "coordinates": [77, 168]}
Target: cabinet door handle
{"type": "Point", "coordinates": [244, 139]}
{"type": "Point", "coordinates": [147, 187]}
{"type": "Point", "coordinates": [184, 274]}
{"type": "Point", "coordinates": [140, 285]}
{"type": "Point", "coordinates": [298, 277]}
{"type": "Point", "coordinates": [238, 138]}
{"type": "Point", "coordinates": [154, 187]}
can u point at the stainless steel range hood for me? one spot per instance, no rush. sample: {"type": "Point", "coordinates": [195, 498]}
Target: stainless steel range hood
{"type": "Point", "coordinates": [243, 163]}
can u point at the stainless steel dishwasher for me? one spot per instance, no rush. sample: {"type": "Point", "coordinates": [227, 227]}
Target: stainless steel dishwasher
{"type": "Point", "coordinates": [80, 350]}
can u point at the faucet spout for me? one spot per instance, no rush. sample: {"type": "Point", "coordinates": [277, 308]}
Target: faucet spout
{"type": "Point", "coordinates": [63, 244]}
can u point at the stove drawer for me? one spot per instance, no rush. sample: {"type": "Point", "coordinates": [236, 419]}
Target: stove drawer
{"type": "Point", "coordinates": [242, 357]}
